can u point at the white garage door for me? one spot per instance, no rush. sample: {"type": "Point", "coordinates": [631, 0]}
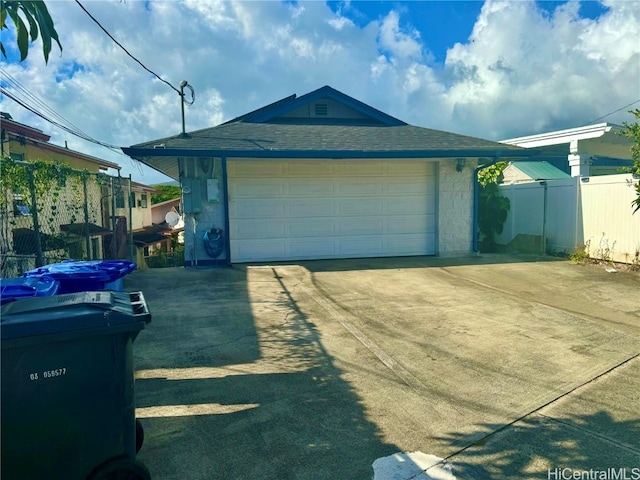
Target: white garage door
{"type": "Point", "coordinates": [297, 209]}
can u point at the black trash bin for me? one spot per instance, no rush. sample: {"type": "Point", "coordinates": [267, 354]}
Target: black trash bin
{"type": "Point", "coordinates": [68, 409]}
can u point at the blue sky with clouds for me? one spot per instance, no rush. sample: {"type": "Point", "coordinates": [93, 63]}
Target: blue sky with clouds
{"type": "Point", "coordinates": [494, 69]}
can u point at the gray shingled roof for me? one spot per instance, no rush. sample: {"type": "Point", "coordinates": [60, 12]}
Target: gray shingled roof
{"type": "Point", "coordinates": [284, 130]}
{"type": "Point", "coordinates": [308, 137]}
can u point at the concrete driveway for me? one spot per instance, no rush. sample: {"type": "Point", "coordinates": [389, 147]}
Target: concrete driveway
{"type": "Point", "coordinates": [504, 367]}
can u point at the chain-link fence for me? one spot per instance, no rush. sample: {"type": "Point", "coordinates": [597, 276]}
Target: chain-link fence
{"type": "Point", "coordinates": [50, 212]}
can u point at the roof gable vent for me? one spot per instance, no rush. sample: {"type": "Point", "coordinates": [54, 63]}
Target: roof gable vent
{"type": "Point", "coordinates": [320, 109]}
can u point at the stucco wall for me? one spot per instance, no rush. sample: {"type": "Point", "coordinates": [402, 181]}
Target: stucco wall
{"type": "Point", "coordinates": [211, 214]}
{"type": "Point", "coordinates": [455, 207]}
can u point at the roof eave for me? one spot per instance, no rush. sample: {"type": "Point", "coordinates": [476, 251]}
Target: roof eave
{"type": "Point", "coordinates": [141, 153]}
{"type": "Point", "coordinates": [562, 136]}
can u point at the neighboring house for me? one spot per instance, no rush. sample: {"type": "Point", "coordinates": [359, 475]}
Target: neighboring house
{"type": "Point", "coordinates": [589, 211]}
{"type": "Point", "coordinates": [160, 210]}
{"type": "Point", "coordinates": [71, 218]}
{"type": "Point", "coordinates": [323, 176]}
{"type": "Point", "coordinates": [582, 152]}
{"type": "Point", "coordinates": [22, 142]}
{"type": "Point", "coordinates": [141, 213]}
{"type": "Point", "coordinates": [521, 172]}
{"type": "Point", "coordinates": [132, 219]}
{"type": "Point", "coordinates": [160, 235]}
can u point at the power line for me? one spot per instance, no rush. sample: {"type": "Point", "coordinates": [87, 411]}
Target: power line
{"type": "Point", "coordinates": [611, 113]}
{"type": "Point", "coordinates": [125, 50]}
{"type": "Point", "coordinates": [23, 97]}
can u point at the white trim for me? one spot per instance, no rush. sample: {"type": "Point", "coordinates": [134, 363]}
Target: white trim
{"type": "Point", "coordinates": [562, 136]}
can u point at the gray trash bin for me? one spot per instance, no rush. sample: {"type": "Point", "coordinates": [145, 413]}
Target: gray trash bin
{"type": "Point", "coordinates": [68, 409]}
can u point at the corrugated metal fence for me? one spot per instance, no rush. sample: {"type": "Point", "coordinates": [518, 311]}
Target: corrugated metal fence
{"type": "Point", "coordinates": [565, 214]}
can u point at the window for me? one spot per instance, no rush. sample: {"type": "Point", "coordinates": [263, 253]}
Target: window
{"type": "Point", "coordinates": [120, 199]}
{"type": "Point", "coordinates": [20, 209]}
{"type": "Point", "coordinates": [132, 200]}
{"type": "Point", "coordinates": [143, 200]}
{"type": "Point", "coordinates": [95, 248]}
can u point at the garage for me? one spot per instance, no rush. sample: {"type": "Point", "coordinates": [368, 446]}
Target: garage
{"type": "Point", "coordinates": [308, 209]}
{"type": "Point", "coordinates": [321, 176]}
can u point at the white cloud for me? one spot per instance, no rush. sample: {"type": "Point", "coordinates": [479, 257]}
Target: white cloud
{"type": "Point", "coordinates": [520, 71]}
{"type": "Point", "coordinates": [400, 44]}
{"type": "Point", "coordinates": [522, 68]}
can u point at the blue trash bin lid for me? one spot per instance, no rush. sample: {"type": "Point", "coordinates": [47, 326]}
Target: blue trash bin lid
{"type": "Point", "coordinates": [94, 270]}
{"type": "Point", "coordinates": [15, 288]}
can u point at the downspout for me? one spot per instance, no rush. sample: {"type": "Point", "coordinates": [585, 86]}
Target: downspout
{"type": "Point", "coordinates": [227, 244]}
{"type": "Point", "coordinates": [476, 200]}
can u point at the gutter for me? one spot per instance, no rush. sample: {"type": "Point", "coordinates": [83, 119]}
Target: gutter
{"type": "Point", "coordinates": [142, 153]}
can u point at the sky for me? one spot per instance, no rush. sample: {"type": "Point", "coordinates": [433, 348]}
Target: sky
{"type": "Point", "coordinates": [492, 69]}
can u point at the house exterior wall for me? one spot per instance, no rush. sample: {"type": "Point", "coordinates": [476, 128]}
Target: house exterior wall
{"type": "Point", "coordinates": [210, 214]}
{"type": "Point", "coordinates": [596, 213]}
{"type": "Point", "coordinates": [32, 153]}
{"type": "Point", "coordinates": [140, 214]}
{"type": "Point", "coordinates": [455, 207]}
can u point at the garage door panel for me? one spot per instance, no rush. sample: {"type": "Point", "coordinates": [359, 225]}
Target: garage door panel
{"type": "Point", "coordinates": [360, 206]}
{"type": "Point", "coordinates": [265, 208]}
{"type": "Point", "coordinates": [410, 244]}
{"type": "Point", "coordinates": [359, 168]}
{"type": "Point", "coordinates": [305, 187]}
{"type": "Point", "coordinates": [310, 227]}
{"type": "Point", "coordinates": [359, 187]}
{"type": "Point", "coordinates": [409, 206]}
{"type": "Point", "coordinates": [410, 224]}
{"type": "Point", "coordinates": [258, 188]}
{"type": "Point", "coordinates": [330, 209]}
{"type": "Point", "coordinates": [253, 169]}
{"type": "Point", "coordinates": [309, 168]}
{"type": "Point", "coordinates": [312, 248]}
{"type": "Point", "coordinates": [406, 168]}
{"type": "Point", "coordinates": [370, 246]}
{"type": "Point", "coordinates": [360, 226]}
{"type": "Point", "coordinates": [259, 229]}
{"type": "Point", "coordinates": [254, 250]}
{"type": "Point", "coordinates": [410, 186]}
{"type": "Point", "coordinates": [314, 207]}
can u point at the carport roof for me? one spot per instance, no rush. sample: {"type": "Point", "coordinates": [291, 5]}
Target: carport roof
{"type": "Point", "coordinates": [278, 131]}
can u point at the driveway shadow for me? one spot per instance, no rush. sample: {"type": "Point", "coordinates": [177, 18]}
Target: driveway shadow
{"type": "Point", "coordinates": [544, 447]}
{"type": "Point", "coordinates": [199, 318]}
{"type": "Point", "coordinates": [233, 382]}
{"type": "Point", "coordinates": [354, 264]}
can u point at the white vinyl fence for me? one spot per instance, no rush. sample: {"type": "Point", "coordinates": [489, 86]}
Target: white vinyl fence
{"type": "Point", "coordinates": [565, 214]}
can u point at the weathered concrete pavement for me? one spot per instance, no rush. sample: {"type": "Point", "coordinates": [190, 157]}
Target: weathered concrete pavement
{"type": "Point", "coordinates": [507, 367]}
